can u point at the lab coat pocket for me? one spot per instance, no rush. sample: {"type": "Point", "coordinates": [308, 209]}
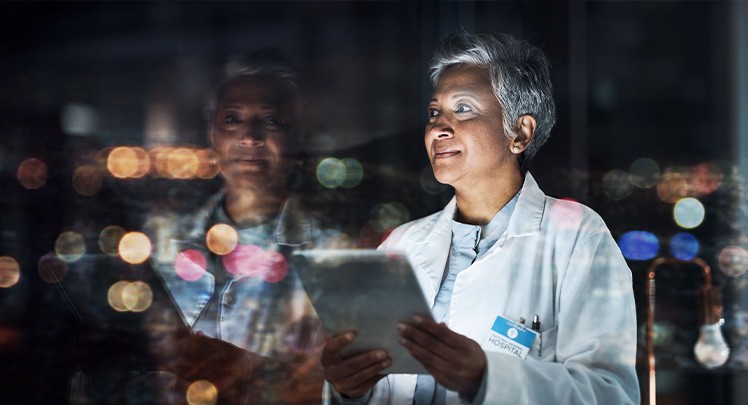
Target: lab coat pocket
{"type": "Point", "coordinates": [544, 346]}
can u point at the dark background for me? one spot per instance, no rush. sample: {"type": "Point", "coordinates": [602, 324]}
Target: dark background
{"type": "Point", "coordinates": [631, 80]}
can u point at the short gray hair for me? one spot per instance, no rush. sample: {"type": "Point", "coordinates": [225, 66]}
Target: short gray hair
{"type": "Point", "coordinates": [265, 62]}
{"type": "Point", "coordinates": [520, 78]}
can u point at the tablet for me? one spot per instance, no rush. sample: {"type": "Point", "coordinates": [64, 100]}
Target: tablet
{"type": "Point", "coordinates": [367, 291]}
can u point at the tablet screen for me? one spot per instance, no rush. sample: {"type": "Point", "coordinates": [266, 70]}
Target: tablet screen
{"type": "Point", "coordinates": [367, 291]}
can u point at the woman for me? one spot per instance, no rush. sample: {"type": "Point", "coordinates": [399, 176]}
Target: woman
{"type": "Point", "coordinates": [501, 252]}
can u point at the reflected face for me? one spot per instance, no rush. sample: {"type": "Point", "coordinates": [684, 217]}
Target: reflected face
{"type": "Point", "coordinates": [250, 133]}
{"type": "Point", "coordinates": [464, 136]}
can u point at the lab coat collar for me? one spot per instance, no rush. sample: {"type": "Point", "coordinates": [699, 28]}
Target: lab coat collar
{"type": "Point", "coordinates": [528, 214]}
{"type": "Point", "coordinates": [435, 232]}
{"type": "Point", "coordinates": [525, 220]}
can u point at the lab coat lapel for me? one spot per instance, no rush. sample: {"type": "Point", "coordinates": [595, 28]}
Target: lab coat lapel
{"type": "Point", "coordinates": [433, 248]}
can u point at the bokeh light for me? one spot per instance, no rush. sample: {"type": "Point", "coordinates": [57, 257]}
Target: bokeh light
{"type": "Point", "coordinates": [429, 183]}
{"type": "Point", "coordinates": [565, 213]}
{"type": "Point", "coordinates": [733, 260]}
{"type": "Point", "coordinates": [32, 173]}
{"type": "Point", "coordinates": [10, 272]}
{"type": "Point", "coordinates": [51, 269]}
{"type": "Point", "coordinates": [644, 172]}
{"type": "Point", "coordinates": [688, 213]}
{"type": "Point", "coordinates": [78, 119]}
{"type": "Point", "coordinates": [207, 167]}
{"type": "Point", "coordinates": [160, 160]}
{"type": "Point", "coordinates": [202, 392]}
{"type": "Point", "coordinates": [70, 246]}
{"type": "Point", "coordinates": [331, 172]}
{"type": "Point", "coordinates": [354, 173]}
{"type": "Point", "coordinates": [245, 260]}
{"type": "Point", "coordinates": [190, 264]}
{"type": "Point", "coordinates": [182, 163]}
{"type": "Point", "coordinates": [109, 238]}
{"type": "Point", "coordinates": [277, 267]}
{"type": "Point", "coordinates": [144, 163]}
{"type": "Point", "coordinates": [389, 215]}
{"type": "Point", "coordinates": [684, 246]}
{"type": "Point", "coordinates": [114, 296]}
{"type": "Point", "coordinates": [616, 184]}
{"type": "Point", "coordinates": [639, 245]}
{"type": "Point", "coordinates": [672, 186]}
{"type": "Point", "coordinates": [87, 180]}
{"type": "Point", "coordinates": [137, 296]}
{"type": "Point", "coordinates": [134, 247]}
{"type": "Point", "coordinates": [705, 179]}
{"type": "Point", "coordinates": [122, 162]}
{"type": "Point", "coordinates": [221, 239]}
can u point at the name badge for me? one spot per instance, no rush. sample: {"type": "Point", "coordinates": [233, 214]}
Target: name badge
{"type": "Point", "coordinates": [509, 337]}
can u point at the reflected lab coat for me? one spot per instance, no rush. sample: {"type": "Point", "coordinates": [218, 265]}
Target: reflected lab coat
{"type": "Point", "coordinates": [556, 259]}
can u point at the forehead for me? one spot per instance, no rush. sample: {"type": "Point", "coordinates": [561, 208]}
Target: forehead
{"type": "Point", "coordinates": [465, 78]}
{"type": "Point", "coordinates": [252, 90]}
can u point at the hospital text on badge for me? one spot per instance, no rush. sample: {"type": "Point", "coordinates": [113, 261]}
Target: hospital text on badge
{"type": "Point", "coordinates": [508, 337]}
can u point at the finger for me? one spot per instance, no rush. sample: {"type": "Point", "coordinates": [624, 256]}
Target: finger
{"type": "Point", "coordinates": [439, 330]}
{"type": "Point", "coordinates": [432, 361]}
{"type": "Point", "coordinates": [333, 346]}
{"type": "Point", "coordinates": [412, 334]}
{"type": "Point", "coordinates": [358, 379]}
{"type": "Point", "coordinates": [355, 364]}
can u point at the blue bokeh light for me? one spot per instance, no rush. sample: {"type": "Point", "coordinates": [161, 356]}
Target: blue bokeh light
{"type": "Point", "coordinates": [684, 246]}
{"type": "Point", "coordinates": [639, 245]}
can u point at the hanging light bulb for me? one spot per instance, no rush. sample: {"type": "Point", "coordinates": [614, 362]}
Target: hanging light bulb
{"type": "Point", "coordinates": [711, 350]}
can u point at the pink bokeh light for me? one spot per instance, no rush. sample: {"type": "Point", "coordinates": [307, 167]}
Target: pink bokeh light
{"type": "Point", "coordinates": [190, 264]}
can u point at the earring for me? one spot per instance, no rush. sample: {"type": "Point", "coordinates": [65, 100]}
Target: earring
{"type": "Point", "coordinates": [515, 149]}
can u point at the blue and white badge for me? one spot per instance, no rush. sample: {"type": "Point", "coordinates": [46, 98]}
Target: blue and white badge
{"type": "Point", "coordinates": [509, 337]}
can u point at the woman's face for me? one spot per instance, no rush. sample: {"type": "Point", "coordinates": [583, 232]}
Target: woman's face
{"type": "Point", "coordinates": [464, 136]}
{"type": "Point", "coordinates": [250, 133]}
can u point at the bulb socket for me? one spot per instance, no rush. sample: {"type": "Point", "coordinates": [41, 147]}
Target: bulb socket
{"type": "Point", "coordinates": [709, 303]}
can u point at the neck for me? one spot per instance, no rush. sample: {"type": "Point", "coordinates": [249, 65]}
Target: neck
{"type": "Point", "coordinates": [249, 207]}
{"type": "Point", "coordinates": [479, 203]}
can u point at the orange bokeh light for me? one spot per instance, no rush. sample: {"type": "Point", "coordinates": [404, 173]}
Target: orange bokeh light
{"type": "Point", "coordinates": [207, 167]}
{"type": "Point", "coordinates": [137, 296]}
{"type": "Point", "coordinates": [32, 173]}
{"type": "Point", "coordinates": [222, 239]}
{"type": "Point", "coordinates": [122, 162]}
{"type": "Point", "coordinates": [202, 392]}
{"type": "Point", "coordinates": [672, 186]}
{"type": "Point", "coordinates": [182, 163]}
{"type": "Point", "coordinates": [134, 247]}
{"type": "Point", "coordinates": [144, 163]}
{"type": "Point", "coordinates": [87, 180]}
{"type": "Point", "coordinates": [10, 272]}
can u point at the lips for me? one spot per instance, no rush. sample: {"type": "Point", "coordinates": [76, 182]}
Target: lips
{"type": "Point", "coordinates": [445, 152]}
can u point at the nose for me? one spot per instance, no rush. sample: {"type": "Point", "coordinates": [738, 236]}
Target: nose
{"type": "Point", "coordinates": [252, 135]}
{"type": "Point", "coordinates": [440, 128]}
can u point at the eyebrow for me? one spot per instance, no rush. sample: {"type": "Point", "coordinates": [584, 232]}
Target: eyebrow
{"type": "Point", "coordinates": [263, 107]}
{"type": "Point", "coordinates": [466, 94]}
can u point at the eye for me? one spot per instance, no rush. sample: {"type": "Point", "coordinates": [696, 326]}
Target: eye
{"type": "Point", "coordinates": [273, 122]}
{"type": "Point", "coordinates": [463, 108]}
{"type": "Point", "coordinates": [231, 119]}
{"type": "Point", "coordinates": [432, 113]}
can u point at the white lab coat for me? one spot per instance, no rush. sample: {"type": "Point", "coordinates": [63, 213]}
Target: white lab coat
{"type": "Point", "coordinates": [558, 260]}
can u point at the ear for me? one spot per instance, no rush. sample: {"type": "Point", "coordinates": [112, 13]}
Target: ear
{"type": "Point", "coordinates": [525, 130]}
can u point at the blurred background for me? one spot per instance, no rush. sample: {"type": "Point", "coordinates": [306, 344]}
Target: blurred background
{"type": "Point", "coordinates": [102, 130]}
